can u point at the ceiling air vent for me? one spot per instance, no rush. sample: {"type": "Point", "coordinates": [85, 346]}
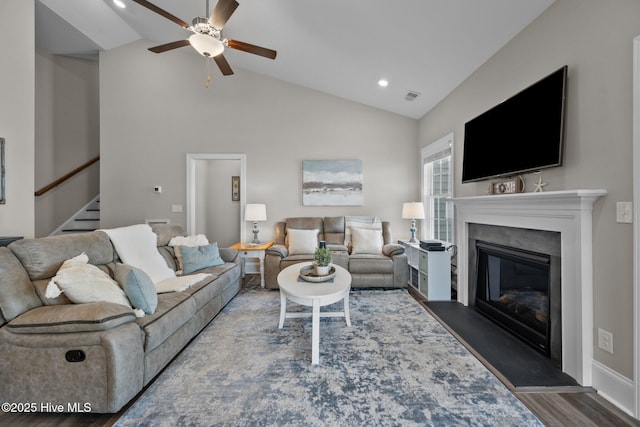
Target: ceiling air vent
{"type": "Point", "coordinates": [411, 95]}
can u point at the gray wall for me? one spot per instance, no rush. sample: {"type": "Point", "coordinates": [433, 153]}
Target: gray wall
{"type": "Point", "coordinates": [67, 134]}
{"type": "Point", "coordinates": [154, 109]}
{"type": "Point", "coordinates": [17, 43]}
{"type": "Point", "coordinates": [595, 39]}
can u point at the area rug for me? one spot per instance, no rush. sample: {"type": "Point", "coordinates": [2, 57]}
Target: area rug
{"type": "Point", "coordinates": [395, 366]}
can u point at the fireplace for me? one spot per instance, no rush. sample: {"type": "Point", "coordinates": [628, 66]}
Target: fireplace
{"type": "Point", "coordinates": [568, 213]}
{"type": "Point", "coordinates": [513, 290]}
{"type": "Point", "coordinates": [516, 280]}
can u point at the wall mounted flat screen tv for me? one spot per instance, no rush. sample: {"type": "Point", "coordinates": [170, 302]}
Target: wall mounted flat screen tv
{"type": "Point", "coordinates": [522, 134]}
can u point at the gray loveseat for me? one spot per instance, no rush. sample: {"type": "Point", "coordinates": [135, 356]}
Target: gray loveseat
{"type": "Point", "coordinates": [387, 268]}
{"type": "Point", "coordinates": [98, 355]}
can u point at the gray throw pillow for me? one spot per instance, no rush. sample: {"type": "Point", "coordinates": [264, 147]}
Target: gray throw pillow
{"type": "Point", "coordinates": [196, 258]}
{"type": "Point", "coordinates": [138, 286]}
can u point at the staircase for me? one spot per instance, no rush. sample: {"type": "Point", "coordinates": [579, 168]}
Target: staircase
{"type": "Point", "coordinates": [86, 219]}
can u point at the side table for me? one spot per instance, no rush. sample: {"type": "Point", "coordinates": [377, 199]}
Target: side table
{"type": "Point", "coordinates": [248, 250]}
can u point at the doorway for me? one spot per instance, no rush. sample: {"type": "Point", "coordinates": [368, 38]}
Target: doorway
{"type": "Point", "coordinates": [212, 209]}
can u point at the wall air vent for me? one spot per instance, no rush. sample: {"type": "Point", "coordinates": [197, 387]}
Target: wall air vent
{"type": "Point", "coordinates": [411, 95]}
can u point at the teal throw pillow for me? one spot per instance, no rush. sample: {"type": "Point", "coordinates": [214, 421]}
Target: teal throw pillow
{"type": "Point", "coordinates": [198, 257]}
{"type": "Point", "coordinates": [138, 286]}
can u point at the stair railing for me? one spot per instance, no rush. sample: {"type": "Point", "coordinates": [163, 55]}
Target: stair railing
{"type": "Point", "coordinates": [65, 177]}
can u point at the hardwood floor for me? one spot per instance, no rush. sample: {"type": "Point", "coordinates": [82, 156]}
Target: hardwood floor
{"type": "Point", "coordinates": [555, 407]}
{"type": "Point", "coordinates": [585, 409]}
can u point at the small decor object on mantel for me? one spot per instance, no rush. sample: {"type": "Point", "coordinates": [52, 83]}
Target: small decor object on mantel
{"type": "Point", "coordinates": [511, 186]}
{"type": "Point", "coordinates": [322, 260]}
{"type": "Point", "coordinates": [539, 185]}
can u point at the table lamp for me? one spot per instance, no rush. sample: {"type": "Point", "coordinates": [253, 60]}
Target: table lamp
{"type": "Point", "coordinates": [255, 212]}
{"type": "Point", "coordinates": [413, 211]}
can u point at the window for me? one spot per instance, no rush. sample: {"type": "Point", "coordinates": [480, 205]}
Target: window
{"type": "Point", "coordinates": [437, 161]}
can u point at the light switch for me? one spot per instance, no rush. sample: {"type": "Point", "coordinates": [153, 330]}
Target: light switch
{"type": "Point", "coordinates": [624, 212]}
{"type": "Point", "coordinates": [176, 208]}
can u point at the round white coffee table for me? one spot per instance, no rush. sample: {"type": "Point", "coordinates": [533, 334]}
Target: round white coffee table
{"type": "Point", "coordinates": [313, 295]}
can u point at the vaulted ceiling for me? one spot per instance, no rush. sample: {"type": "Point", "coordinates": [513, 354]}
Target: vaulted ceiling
{"type": "Point", "coordinates": [341, 47]}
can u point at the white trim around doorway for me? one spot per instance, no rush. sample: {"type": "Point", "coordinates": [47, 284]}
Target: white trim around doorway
{"type": "Point", "coordinates": [636, 226]}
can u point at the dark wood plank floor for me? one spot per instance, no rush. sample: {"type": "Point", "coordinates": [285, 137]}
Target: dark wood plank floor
{"type": "Point", "coordinates": [555, 407]}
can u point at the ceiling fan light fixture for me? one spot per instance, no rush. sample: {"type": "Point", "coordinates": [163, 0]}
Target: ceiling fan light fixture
{"type": "Point", "coordinates": [206, 45]}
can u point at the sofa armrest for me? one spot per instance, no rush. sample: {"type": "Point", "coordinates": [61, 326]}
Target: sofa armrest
{"type": "Point", "coordinates": [228, 254]}
{"type": "Point", "coordinates": [392, 249]}
{"type": "Point", "coordinates": [278, 250]}
{"type": "Point", "coordinates": [66, 318]}
{"type": "Point", "coordinates": [400, 270]}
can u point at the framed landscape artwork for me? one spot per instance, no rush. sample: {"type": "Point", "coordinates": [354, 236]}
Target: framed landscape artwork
{"type": "Point", "coordinates": [332, 183]}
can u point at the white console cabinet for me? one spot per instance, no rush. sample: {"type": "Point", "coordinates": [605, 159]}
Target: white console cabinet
{"type": "Point", "coordinates": [429, 271]}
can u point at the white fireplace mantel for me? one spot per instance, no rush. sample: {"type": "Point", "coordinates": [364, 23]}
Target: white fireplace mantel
{"type": "Point", "coordinates": [568, 212]}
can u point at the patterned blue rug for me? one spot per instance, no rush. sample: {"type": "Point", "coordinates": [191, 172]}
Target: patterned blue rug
{"type": "Point", "coordinates": [395, 366]}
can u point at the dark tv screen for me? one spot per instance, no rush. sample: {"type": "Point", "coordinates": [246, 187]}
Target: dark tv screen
{"type": "Point", "coordinates": [522, 134]}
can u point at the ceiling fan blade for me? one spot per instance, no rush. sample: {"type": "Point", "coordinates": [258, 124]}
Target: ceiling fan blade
{"type": "Point", "coordinates": [223, 65]}
{"type": "Point", "coordinates": [222, 12]}
{"type": "Point", "coordinates": [162, 12]}
{"type": "Point", "coordinates": [169, 46]}
{"type": "Point", "coordinates": [251, 48]}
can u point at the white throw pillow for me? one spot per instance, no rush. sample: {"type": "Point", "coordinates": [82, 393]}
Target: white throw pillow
{"type": "Point", "coordinates": [366, 241]}
{"type": "Point", "coordinates": [191, 241]}
{"type": "Point", "coordinates": [83, 283]}
{"type": "Point", "coordinates": [302, 241]}
{"type": "Point", "coordinates": [351, 222]}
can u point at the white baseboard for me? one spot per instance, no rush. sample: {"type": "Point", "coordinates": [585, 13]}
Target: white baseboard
{"type": "Point", "coordinates": [614, 387]}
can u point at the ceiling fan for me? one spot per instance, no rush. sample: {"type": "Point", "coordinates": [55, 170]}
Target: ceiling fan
{"type": "Point", "coordinates": [207, 34]}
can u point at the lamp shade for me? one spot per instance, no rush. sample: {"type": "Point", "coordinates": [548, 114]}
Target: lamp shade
{"type": "Point", "coordinates": [413, 210]}
{"type": "Point", "coordinates": [206, 45]}
{"type": "Point", "coordinates": [255, 212]}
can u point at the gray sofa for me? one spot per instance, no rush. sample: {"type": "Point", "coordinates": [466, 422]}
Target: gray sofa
{"type": "Point", "coordinates": [99, 353]}
{"type": "Point", "coordinates": [389, 268]}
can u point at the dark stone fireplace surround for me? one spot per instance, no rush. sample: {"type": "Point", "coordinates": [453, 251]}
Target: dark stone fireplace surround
{"type": "Point", "coordinates": [541, 241]}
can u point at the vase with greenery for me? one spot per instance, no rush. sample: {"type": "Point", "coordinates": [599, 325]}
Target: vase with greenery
{"type": "Point", "coordinates": [322, 260]}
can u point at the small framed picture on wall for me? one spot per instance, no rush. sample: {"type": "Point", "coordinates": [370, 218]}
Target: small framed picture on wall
{"type": "Point", "coordinates": [235, 188]}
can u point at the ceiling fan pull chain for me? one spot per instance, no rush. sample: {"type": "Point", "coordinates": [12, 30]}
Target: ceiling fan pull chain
{"type": "Point", "coordinates": [208, 72]}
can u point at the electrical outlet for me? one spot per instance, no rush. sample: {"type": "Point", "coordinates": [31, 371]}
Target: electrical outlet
{"type": "Point", "coordinates": [605, 340]}
{"type": "Point", "coordinates": [176, 208]}
{"type": "Point", "coordinates": [624, 212]}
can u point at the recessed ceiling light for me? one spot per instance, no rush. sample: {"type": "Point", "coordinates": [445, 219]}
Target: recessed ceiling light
{"type": "Point", "coordinates": [383, 83]}
{"type": "Point", "coordinates": [119, 3]}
